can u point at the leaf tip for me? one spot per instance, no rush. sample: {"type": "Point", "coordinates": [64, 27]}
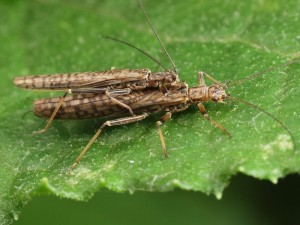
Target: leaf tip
{"type": "Point", "coordinates": [218, 195]}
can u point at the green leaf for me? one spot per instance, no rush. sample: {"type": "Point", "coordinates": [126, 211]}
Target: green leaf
{"type": "Point", "coordinates": [228, 40]}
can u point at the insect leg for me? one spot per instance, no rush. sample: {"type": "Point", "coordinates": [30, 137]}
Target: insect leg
{"type": "Point", "coordinates": [206, 116]}
{"type": "Point", "coordinates": [112, 93]}
{"type": "Point", "coordinates": [201, 80]}
{"type": "Point", "coordinates": [108, 123]}
{"type": "Point", "coordinates": [165, 118]}
{"type": "Point", "coordinates": [80, 91]}
{"type": "Point", "coordinates": [202, 75]}
{"type": "Point", "coordinates": [109, 93]}
{"type": "Point", "coordinates": [61, 100]}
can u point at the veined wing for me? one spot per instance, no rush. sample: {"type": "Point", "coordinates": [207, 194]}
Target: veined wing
{"type": "Point", "coordinates": [82, 80]}
{"type": "Point", "coordinates": [99, 105]}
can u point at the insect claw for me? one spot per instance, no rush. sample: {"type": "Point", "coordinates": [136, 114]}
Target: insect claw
{"type": "Point", "coordinates": [229, 135]}
{"type": "Point", "coordinates": [38, 131]}
{"type": "Point", "coordinates": [71, 168]}
{"type": "Point", "coordinates": [166, 154]}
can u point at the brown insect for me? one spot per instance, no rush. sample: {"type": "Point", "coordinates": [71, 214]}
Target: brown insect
{"type": "Point", "coordinates": [111, 83]}
{"type": "Point", "coordinates": [129, 95]}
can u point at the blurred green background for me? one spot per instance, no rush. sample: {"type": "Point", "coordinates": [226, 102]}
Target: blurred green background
{"type": "Point", "coordinates": [246, 201]}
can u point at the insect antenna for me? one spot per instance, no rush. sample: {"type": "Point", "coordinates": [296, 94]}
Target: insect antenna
{"type": "Point", "coordinates": [268, 114]}
{"type": "Point", "coordinates": [26, 113]}
{"type": "Point", "coordinates": [136, 48]}
{"type": "Point", "coordinates": [157, 37]}
{"type": "Point", "coordinates": [29, 99]}
{"type": "Point", "coordinates": [232, 83]}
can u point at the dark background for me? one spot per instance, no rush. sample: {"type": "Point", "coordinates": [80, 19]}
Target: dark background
{"type": "Point", "coordinates": [245, 201]}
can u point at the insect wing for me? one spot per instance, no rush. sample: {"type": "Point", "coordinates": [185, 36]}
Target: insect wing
{"type": "Point", "coordinates": [82, 80]}
{"type": "Point", "coordinates": [100, 105]}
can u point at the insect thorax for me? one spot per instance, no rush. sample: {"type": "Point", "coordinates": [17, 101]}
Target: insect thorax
{"type": "Point", "coordinates": [205, 93]}
{"type": "Point", "coordinates": [162, 78]}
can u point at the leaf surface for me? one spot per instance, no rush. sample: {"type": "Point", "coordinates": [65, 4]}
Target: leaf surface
{"type": "Point", "coordinates": [228, 42]}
